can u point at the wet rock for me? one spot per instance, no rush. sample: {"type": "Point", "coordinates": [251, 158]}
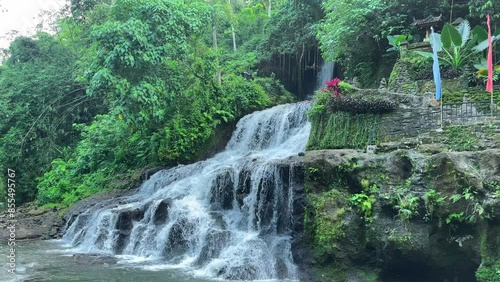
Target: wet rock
{"type": "Point", "coordinates": [281, 269]}
{"type": "Point", "coordinates": [124, 224]}
{"type": "Point", "coordinates": [425, 247]}
{"type": "Point", "coordinates": [243, 272]}
{"type": "Point", "coordinates": [215, 241]}
{"type": "Point", "coordinates": [222, 191]}
{"type": "Point", "coordinates": [218, 218]}
{"type": "Point", "coordinates": [126, 218]}
{"type": "Point", "coordinates": [147, 173]}
{"type": "Point", "coordinates": [178, 241]}
{"type": "Point", "coordinates": [244, 186]}
{"type": "Point", "coordinates": [161, 213]}
{"type": "Point", "coordinates": [32, 223]}
{"type": "Point", "coordinates": [265, 200]}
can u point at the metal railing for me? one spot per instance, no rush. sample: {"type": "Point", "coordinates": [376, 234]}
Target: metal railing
{"type": "Point", "coordinates": [470, 109]}
{"type": "Point", "coordinates": [431, 119]}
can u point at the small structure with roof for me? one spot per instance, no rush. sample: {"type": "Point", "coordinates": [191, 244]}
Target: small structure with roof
{"type": "Point", "coordinates": [427, 23]}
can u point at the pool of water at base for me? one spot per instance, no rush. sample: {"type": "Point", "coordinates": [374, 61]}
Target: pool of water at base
{"type": "Point", "coordinates": [52, 260]}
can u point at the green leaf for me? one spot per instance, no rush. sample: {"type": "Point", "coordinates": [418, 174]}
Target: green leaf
{"type": "Point", "coordinates": [392, 39]}
{"type": "Point", "coordinates": [481, 65]}
{"type": "Point", "coordinates": [464, 31]}
{"type": "Point", "coordinates": [424, 54]}
{"type": "Point", "coordinates": [480, 33]}
{"type": "Point", "coordinates": [450, 36]}
{"type": "Point", "coordinates": [483, 45]}
{"type": "Point", "coordinates": [400, 39]}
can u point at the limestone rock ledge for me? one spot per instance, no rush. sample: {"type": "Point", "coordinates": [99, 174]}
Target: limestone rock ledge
{"type": "Point", "coordinates": [400, 216]}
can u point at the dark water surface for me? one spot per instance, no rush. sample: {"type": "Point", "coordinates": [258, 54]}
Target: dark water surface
{"type": "Point", "coordinates": [53, 261]}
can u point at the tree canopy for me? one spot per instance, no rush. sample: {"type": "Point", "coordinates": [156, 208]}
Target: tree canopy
{"type": "Point", "coordinates": [126, 84]}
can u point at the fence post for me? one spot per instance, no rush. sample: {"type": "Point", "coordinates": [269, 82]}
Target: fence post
{"type": "Point", "coordinates": [441, 113]}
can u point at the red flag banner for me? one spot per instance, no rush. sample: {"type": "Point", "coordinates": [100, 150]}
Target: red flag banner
{"type": "Point", "coordinates": [489, 60]}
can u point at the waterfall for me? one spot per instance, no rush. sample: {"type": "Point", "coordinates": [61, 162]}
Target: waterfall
{"type": "Point", "coordinates": [325, 74]}
{"type": "Point", "coordinates": [226, 217]}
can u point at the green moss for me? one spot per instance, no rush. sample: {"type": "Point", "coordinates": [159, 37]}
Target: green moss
{"type": "Point", "coordinates": [454, 94]}
{"type": "Point", "coordinates": [408, 86]}
{"type": "Point", "coordinates": [489, 273]}
{"type": "Point", "coordinates": [401, 241]}
{"type": "Point", "coordinates": [368, 275]}
{"type": "Point", "coordinates": [460, 138]}
{"type": "Point", "coordinates": [329, 273]}
{"type": "Point", "coordinates": [393, 76]}
{"type": "Point", "coordinates": [328, 225]}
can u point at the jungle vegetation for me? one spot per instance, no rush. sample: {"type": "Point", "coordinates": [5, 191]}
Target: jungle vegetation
{"type": "Point", "coordinates": [126, 84]}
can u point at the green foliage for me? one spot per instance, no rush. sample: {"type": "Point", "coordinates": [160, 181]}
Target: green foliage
{"type": "Point", "coordinates": [320, 100]}
{"type": "Point", "coordinates": [340, 130]}
{"type": "Point", "coordinates": [351, 31]}
{"type": "Point", "coordinates": [458, 48]}
{"type": "Point", "coordinates": [450, 37]}
{"type": "Point", "coordinates": [275, 90]}
{"type": "Point", "coordinates": [151, 75]}
{"type": "Point", "coordinates": [473, 211]}
{"type": "Point", "coordinates": [346, 88]}
{"type": "Point", "coordinates": [39, 102]}
{"type": "Point", "coordinates": [313, 173]}
{"type": "Point", "coordinates": [365, 201]}
{"type": "Point", "coordinates": [345, 121]}
{"type": "Point", "coordinates": [286, 46]}
{"type": "Point", "coordinates": [433, 200]}
{"type": "Point", "coordinates": [365, 204]}
{"type": "Point", "coordinates": [407, 206]}
{"type": "Point", "coordinates": [455, 217]}
{"type": "Point", "coordinates": [401, 241]}
{"type": "Point", "coordinates": [460, 138]}
{"type": "Point", "coordinates": [494, 187]}
{"type": "Point", "coordinates": [62, 186]}
{"type": "Point", "coordinates": [480, 8]}
{"type": "Point", "coordinates": [405, 203]}
{"type": "Point", "coordinates": [489, 273]}
{"type": "Point", "coordinates": [422, 66]}
{"type": "Point", "coordinates": [396, 40]}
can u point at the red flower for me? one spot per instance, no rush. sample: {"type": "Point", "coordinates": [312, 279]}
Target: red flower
{"type": "Point", "coordinates": [333, 86]}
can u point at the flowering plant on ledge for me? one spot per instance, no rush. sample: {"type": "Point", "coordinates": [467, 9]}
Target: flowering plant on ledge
{"type": "Point", "coordinates": [333, 87]}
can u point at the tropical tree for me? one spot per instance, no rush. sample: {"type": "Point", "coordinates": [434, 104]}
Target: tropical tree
{"type": "Point", "coordinates": [153, 65]}
{"type": "Point", "coordinates": [350, 24]}
{"type": "Point", "coordinates": [39, 103]}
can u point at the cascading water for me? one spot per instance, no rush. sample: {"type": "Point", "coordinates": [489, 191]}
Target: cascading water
{"type": "Point", "coordinates": [229, 216]}
{"type": "Point", "coordinates": [325, 74]}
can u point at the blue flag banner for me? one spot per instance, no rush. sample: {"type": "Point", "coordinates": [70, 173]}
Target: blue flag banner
{"type": "Point", "coordinates": [435, 65]}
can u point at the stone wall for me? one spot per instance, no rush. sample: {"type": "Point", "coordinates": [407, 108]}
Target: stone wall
{"type": "Point", "coordinates": [420, 114]}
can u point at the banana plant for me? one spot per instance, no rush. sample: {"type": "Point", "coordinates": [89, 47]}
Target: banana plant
{"type": "Point", "coordinates": [458, 45]}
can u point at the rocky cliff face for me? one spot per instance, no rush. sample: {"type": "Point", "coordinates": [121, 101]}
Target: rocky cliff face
{"type": "Point", "coordinates": [403, 215]}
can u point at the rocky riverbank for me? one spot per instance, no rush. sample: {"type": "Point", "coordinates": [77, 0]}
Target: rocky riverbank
{"type": "Point", "coordinates": [35, 222]}
{"type": "Point", "coordinates": [32, 223]}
